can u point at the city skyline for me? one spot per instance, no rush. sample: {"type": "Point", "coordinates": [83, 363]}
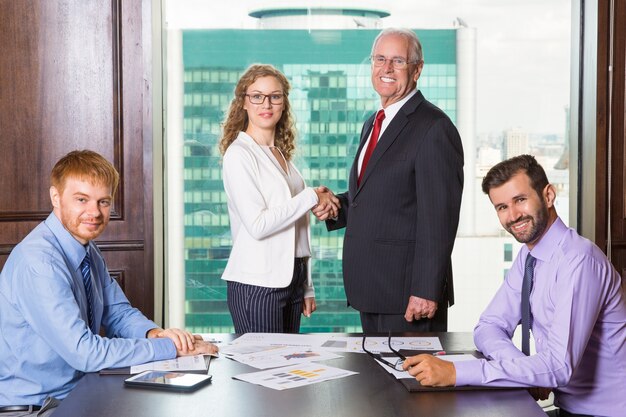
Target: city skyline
{"type": "Point", "coordinates": [331, 95]}
{"type": "Point", "coordinates": [523, 50]}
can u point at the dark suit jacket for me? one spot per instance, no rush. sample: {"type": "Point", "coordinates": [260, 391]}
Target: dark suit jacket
{"type": "Point", "coordinates": [402, 220]}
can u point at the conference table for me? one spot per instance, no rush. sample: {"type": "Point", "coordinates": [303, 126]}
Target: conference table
{"type": "Point", "coordinates": [372, 392]}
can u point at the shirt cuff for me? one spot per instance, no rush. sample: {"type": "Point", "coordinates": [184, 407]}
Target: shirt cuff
{"type": "Point", "coordinates": [469, 372]}
{"type": "Point", "coordinates": [309, 291]}
{"type": "Point", "coordinates": [312, 195]}
{"type": "Point", "coordinates": [163, 348]}
{"type": "Point", "coordinates": [141, 330]}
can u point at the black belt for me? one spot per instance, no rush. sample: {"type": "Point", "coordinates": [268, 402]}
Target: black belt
{"type": "Point", "coordinates": [9, 408]}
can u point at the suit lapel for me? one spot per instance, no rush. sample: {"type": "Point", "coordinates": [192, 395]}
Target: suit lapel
{"type": "Point", "coordinates": [388, 137]}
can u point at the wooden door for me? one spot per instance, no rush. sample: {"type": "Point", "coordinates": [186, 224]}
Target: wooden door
{"type": "Point", "coordinates": [76, 74]}
{"type": "Point", "coordinates": [611, 137]}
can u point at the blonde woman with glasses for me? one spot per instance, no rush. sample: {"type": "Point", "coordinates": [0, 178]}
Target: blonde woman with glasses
{"type": "Point", "coordinates": [269, 282]}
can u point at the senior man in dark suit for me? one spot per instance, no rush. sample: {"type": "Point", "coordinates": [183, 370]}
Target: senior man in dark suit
{"type": "Point", "coordinates": [401, 211]}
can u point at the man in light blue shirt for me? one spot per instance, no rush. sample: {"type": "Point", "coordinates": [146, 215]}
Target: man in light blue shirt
{"type": "Point", "coordinates": [53, 303]}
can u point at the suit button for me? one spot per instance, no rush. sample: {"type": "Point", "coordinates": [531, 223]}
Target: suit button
{"type": "Point", "coordinates": [353, 205]}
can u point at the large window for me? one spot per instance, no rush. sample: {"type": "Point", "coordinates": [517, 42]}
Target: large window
{"type": "Point", "coordinates": [503, 83]}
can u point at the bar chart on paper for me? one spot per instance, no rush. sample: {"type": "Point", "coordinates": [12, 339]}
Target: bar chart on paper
{"type": "Point", "coordinates": [294, 376]}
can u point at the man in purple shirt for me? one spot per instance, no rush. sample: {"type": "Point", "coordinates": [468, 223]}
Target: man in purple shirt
{"type": "Point", "coordinates": [577, 305]}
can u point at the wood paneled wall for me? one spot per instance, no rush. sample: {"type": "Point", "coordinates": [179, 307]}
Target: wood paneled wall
{"type": "Point", "coordinates": [611, 151]}
{"type": "Point", "coordinates": [73, 75]}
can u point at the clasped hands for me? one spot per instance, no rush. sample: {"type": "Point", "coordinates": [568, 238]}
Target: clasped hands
{"type": "Point", "coordinates": [187, 344]}
{"type": "Point", "coordinates": [328, 204]}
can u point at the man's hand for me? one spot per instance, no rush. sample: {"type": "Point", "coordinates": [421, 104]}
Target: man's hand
{"type": "Point", "coordinates": [186, 344]}
{"type": "Point", "coordinates": [200, 347]}
{"type": "Point", "coordinates": [420, 308]}
{"type": "Point", "coordinates": [183, 340]}
{"type": "Point", "coordinates": [328, 204]}
{"type": "Point", "coordinates": [430, 370]}
{"type": "Point", "coordinates": [308, 306]}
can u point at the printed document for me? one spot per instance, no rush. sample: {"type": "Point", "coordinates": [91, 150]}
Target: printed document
{"type": "Point", "coordinates": [181, 364]}
{"type": "Point", "coordinates": [282, 356]}
{"type": "Point", "coordinates": [294, 376]}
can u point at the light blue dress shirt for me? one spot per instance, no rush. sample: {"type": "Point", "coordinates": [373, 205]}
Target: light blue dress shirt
{"type": "Point", "coordinates": [578, 307]}
{"type": "Point", "coordinates": [45, 343]}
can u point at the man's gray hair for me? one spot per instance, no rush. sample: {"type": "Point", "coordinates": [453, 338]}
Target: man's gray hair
{"type": "Point", "coordinates": [415, 47]}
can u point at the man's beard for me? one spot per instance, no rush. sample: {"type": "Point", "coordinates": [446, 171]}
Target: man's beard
{"type": "Point", "coordinates": [538, 224]}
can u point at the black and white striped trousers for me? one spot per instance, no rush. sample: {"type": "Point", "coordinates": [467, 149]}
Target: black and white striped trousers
{"type": "Point", "coordinates": [268, 310]}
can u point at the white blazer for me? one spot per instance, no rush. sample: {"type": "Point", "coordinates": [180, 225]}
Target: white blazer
{"type": "Point", "coordinates": [263, 217]}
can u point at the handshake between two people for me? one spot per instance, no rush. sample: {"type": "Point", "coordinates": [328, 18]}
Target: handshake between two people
{"type": "Point", "coordinates": [328, 204]}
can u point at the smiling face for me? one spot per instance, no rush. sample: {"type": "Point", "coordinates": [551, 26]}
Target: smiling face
{"type": "Point", "coordinates": [83, 208]}
{"type": "Point", "coordinates": [522, 212]}
{"type": "Point", "coordinates": [263, 116]}
{"type": "Point", "coordinates": [392, 85]}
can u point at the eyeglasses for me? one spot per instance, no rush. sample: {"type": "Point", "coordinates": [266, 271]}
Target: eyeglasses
{"type": "Point", "coordinates": [397, 365]}
{"type": "Point", "coordinates": [258, 98]}
{"type": "Point", "coordinates": [396, 63]}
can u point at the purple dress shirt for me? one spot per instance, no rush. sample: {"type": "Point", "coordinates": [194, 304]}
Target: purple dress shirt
{"type": "Point", "coordinates": [578, 305]}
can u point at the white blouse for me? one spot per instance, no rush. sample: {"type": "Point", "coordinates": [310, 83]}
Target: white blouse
{"type": "Point", "coordinates": [296, 185]}
{"type": "Point", "coordinates": [268, 216]}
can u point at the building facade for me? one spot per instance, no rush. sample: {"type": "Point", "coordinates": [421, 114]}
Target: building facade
{"type": "Point", "coordinates": [331, 97]}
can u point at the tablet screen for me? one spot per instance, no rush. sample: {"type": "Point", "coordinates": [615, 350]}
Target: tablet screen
{"type": "Point", "coordinates": [168, 380]}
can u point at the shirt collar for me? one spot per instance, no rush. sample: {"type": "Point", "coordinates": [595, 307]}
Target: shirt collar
{"type": "Point", "coordinates": [72, 248]}
{"type": "Point", "coordinates": [544, 249]}
{"type": "Point", "coordinates": [392, 109]}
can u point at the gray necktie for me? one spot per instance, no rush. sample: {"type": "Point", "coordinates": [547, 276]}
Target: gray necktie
{"type": "Point", "coordinates": [85, 269]}
{"type": "Point", "coordinates": [527, 285]}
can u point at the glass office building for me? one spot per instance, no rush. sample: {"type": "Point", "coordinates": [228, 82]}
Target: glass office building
{"type": "Point", "coordinates": [331, 97]}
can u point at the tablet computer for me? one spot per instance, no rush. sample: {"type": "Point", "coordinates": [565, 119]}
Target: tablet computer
{"type": "Point", "coordinates": [174, 381]}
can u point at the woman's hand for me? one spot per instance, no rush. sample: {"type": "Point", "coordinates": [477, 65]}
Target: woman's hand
{"type": "Point", "coordinates": [308, 306]}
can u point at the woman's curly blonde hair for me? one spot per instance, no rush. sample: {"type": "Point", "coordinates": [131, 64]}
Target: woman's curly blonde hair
{"type": "Point", "coordinates": [237, 118]}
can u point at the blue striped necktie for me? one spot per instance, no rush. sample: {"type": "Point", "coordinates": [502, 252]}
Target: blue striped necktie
{"type": "Point", "coordinates": [85, 269]}
{"type": "Point", "coordinates": [527, 285]}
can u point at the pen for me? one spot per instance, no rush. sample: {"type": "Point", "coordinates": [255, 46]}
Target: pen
{"type": "Point", "coordinates": [444, 353]}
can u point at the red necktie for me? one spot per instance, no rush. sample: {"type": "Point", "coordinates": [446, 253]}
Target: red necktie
{"type": "Point", "coordinates": [380, 116]}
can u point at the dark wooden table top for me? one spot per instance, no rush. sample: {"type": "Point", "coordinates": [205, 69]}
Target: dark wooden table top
{"type": "Point", "coordinates": [373, 392]}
